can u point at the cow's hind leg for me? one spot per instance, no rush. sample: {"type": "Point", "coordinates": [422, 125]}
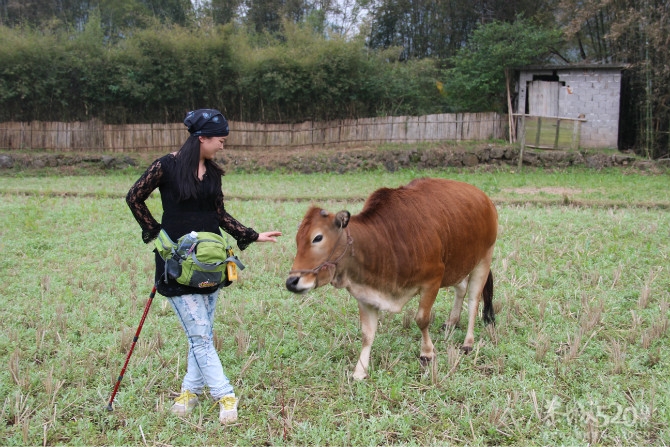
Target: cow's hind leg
{"type": "Point", "coordinates": [428, 295]}
{"type": "Point", "coordinates": [478, 279]}
{"type": "Point", "coordinates": [455, 315]}
{"type": "Point", "coordinates": [369, 317]}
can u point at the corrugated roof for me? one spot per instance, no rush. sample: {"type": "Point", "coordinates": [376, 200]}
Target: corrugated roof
{"type": "Point", "coordinates": [573, 67]}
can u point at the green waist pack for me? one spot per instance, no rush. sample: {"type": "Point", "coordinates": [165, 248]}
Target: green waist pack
{"type": "Point", "coordinates": [198, 260]}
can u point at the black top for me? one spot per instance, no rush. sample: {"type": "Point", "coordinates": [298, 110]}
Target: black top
{"type": "Point", "coordinates": [205, 213]}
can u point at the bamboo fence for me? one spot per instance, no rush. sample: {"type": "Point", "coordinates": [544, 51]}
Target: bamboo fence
{"type": "Point", "coordinates": [96, 136]}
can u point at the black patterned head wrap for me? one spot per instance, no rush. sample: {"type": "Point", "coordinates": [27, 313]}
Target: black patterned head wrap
{"type": "Point", "coordinates": [206, 122]}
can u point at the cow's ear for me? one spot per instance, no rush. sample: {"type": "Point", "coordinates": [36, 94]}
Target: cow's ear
{"type": "Point", "coordinates": [342, 219]}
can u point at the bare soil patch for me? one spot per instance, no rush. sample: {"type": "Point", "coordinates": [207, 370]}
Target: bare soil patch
{"type": "Point", "coordinates": [556, 190]}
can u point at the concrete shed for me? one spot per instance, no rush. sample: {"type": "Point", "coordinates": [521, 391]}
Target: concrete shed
{"type": "Point", "coordinates": [589, 91]}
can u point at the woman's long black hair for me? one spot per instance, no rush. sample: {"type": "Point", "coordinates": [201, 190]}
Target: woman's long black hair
{"type": "Point", "coordinates": [188, 158]}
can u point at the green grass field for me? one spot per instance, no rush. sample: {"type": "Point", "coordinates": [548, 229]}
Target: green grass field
{"type": "Point", "coordinates": [578, 356]}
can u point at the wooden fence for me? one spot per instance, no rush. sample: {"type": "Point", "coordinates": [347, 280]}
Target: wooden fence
{"type": "Point", "coordinates": [95, 136]}
{"type": "Point", "coordinates": [548, 132]}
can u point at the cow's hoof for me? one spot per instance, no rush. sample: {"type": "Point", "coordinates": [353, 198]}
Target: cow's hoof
{"type": "Point", "coordinates": [466, 349]}
{"type": "Point", "coordinates": [425, 360]}
{"type": "Point", "coordinates": [359, 376]}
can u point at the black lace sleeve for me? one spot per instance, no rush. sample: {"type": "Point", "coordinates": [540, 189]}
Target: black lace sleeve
{"type": "Point", "coordinates": [243, 235]}
{"type": "Point", "coordinates": [138, 194]}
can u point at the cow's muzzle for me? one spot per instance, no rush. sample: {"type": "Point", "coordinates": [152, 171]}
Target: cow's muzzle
{"type": "Point", "coordinates": [293, 284]}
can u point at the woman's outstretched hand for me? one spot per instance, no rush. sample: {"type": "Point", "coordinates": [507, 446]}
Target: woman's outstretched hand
{"type": "Point", "coordinates": [268, 236]}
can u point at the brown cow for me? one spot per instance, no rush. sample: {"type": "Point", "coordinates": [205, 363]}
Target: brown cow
{"type": "Point", "coordinates": [415, 239]}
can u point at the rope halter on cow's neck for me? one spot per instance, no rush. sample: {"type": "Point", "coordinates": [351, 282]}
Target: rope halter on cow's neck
{"type": "Point", "coordinates": [330, 264]}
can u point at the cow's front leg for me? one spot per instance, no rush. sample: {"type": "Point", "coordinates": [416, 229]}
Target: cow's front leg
{"type": "Point", "coordinates": [369, 316]}
{"type": "Point", "coordinates": [422, 319]}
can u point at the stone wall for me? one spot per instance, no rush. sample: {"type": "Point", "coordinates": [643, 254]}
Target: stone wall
{"type": "Point", "coordinates": [392, 160]}
{"type": "Point", "coordinates": [343, 160]}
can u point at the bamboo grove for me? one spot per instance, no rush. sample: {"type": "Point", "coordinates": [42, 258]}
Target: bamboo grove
{"type": "Point", "coordinates": [143, 61]}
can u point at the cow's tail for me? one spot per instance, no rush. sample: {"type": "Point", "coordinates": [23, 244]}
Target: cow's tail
{"type": "Point", "coordinates": [488, 314]}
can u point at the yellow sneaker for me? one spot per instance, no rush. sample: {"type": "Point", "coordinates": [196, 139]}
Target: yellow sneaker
{"type": "Point", "coordinates": [228, 412]}
{"type": "Point", "coordinates": [184, 403]}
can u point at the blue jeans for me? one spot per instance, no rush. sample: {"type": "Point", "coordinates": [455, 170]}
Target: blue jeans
{"type": "Point", "coordinates": [196, 315]}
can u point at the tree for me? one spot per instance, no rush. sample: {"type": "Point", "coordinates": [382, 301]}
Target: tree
{"type": "Point", "coordinates": [481, 71]}
{"type": "Point", "coordinates": [169, 11]}
{"type": "Point", "coordinates": [39, 12]}
{"type": "Point", "coordinates": [267, 15]}
{"type": "Point", "coordinates": [225, 11]}
{"type": "Point", "coordinates": [344, 17]}
{"type": "Point", "coordinates": [426, 28]}
{"type": "Point", "coordinates": [115, 14]}
{"type": "Point", "coordinates": [634, 33]}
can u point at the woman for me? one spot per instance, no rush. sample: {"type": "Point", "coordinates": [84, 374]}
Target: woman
{"type": "Point", "coordinates": [189, 182]}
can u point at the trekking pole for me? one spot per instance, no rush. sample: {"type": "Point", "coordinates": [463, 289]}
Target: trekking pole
{"type": "Point", "coordinates": [137, 335]}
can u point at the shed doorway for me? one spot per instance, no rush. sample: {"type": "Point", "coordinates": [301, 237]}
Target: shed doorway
{"type": "Point", "coordinates": [542, 98]}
